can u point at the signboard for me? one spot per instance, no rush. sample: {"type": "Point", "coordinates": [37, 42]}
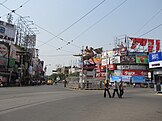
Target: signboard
{"type": "Point", "coordinates": [155, 57]}
{"type": "Point", "coordinates": [107, 54]}
{"type": "Point", "coordinates": [155, 64]}
{"type": "Point", "coordinates": [128, 59]}
{"type": "Point", "coordinates": [7, 31]}
{"type": "Point", "coordinates": [126, 78]}
{"type": "Point", "coordinates": [135, 72]}
{"type": "Point", "coordinates": [120, 51]}
{"type": "Point", "coordinates": [138, 79]}
{"type": "Point", "coordinates": [115, 78]}
{"type": "Point", "coordinates": [143, 59]}
{"type": "Point", "coordinates": [4, 50]}
{"type": "Point", "coordinates": [96, 60]}
{"type": "Point", "coordinates": [137, 53]}
{"type": "Point", "coordinates": [112, 60]}
{"type": "Point", "coordinates": [3, 61]}
{"type": "Point", "coordinates": [131, 67]}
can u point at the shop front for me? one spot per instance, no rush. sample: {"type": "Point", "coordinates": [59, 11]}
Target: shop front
{"type": "Point", "coordinates": [155, 63]}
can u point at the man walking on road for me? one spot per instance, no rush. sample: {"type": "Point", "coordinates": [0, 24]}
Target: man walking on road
{"type": "Point", "coordinates": [107, 87]}
{"type": "Point", "coordinates": [121, 89]}
{"type": "Point", "coordinates": [115, 88]}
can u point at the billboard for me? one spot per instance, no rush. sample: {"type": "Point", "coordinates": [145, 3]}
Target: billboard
{"type": "Point", "coordinates": [144, 44]}
{"type": "Point", "coordinates": [155, 64]}
{"type": "Point", "coordinates": [137, 53]}
{"type": "Point", "coordinates": [3, 61]}
{"type": "Point", "coordinates": [138, 79]}
{"type": "Point", "coordinates": [132, 67]}
{"type": "Point", "coordinates": [111, 60]}
{"type": "Point", "coordinates": [135, 72]}
{"type": "Point", "coordinates": [128, 59]}
{"type": "Point", "coordinates": [7, 31]}
{"type": "Point", "coordinates": [120, 51]}
{"type": "Point", "coordinates": [4, 49]}
{"type": "Point", "coordinates": [142, 59]}
{"type": "Point", "coordinates": [115, 78]}
{"type": "Point", "coordinates": [155, 57]}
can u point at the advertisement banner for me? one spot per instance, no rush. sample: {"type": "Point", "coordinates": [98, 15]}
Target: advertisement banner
{"type": "Point", "coordinates": [120, 51]}
{"type": "Point", "coordinates": [128, 59]}
{"type": "Point", "coordinates": [135, 72]}
{"type": "Point", "coordinates": [112, 60]}
{"type": "Point", "coordinates": [13, 51]}
{"type": "Point", "coordinates": [107, 54]}
{"type": "Point", "coordinates": [96, 60]}
{"type": "Point", "coordinates": [131, 67]}
{"type": "Point", "coordinates": [126, 78]}
{"type": "Point", "coordinates": [137, 53]}
{"type": "Point", "coordinates": [3, 61]}
{"type": "Point", "coordinates": [155, 57]}
{"type": "Point", "coordinates": [155, 64]}
{"type": "Point", "coordinates": [150, 45]}
{"type": "Point", "coordinates": [4, 49]}
{"type": "Point", "coordinates": [115, 78]}
{"type": "Point", "coordinates": [142, 59]}
{"type": "Point", "coordinates": [157, 45]}
{"type": "Point", "coordinates": [111, 67]}
{"type": "Point", "coordinates": [138, 79]}
{"type": "Point", "coordinates": [7, 31]}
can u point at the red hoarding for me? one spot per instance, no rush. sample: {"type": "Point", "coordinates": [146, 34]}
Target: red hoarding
{"type": "Point", "coordinates": [135, 72]}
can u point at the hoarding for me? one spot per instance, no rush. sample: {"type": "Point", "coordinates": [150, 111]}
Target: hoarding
{"type": "Point", "coordinates": [7, 31]}
{"type": "Point", "coordinates": [142, 59]}
{"type": "Point", "coordinates": [138, 79]}
{"type": "Point", "coordinates": [115, 78]}
{"type": "Point", "coordinates": [3, 61]}
{"type": "Point", "coordinates": [155, 64]}
{"type": "Point", "coordinates": [120, 51]}
{"type": "Point", "coordinates": [132, 67]}
{"type": "Point", "coordinates": [137, 53]}
{"type": "Point", "coordinates": [155, 57]}
{"type": "Point", "coordinates": [135, 72]}
{"type": "Point", "coordinates": [128, 59]}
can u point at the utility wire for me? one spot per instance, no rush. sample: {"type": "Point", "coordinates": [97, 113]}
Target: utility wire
{"type": "Point", "coordinates": [14, 10]}
{"type": "Point", "coordinates": [74, 24]}
{"type": "Point", "coordinates": [150, 30]}
{"type": "Point", "coordinates": [148, 21]}
{"type": "Point", "coordinates": [97, 22]}
{"type": "Point", "coordinates": [32, 23]}
{"type": "Point", "coordinates": [4, 1]}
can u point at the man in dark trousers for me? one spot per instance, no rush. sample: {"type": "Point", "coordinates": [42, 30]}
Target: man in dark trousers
{"type": "Point", "coordinates": [115, 87]}
{"type": "Point", "coordinates": [121, 89]}
{"type": "Point", "coordinates": [107, 87]}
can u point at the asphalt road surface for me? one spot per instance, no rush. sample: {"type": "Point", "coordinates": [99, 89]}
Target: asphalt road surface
{"type": "Point", "coordinates": [55, 103]}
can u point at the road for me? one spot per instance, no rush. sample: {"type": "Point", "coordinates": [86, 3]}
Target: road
{"type": "Point", "coordinates": [55, 103]}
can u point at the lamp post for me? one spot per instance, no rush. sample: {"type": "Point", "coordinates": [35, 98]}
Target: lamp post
{"type": "Point", "coordinates": [106, 67]}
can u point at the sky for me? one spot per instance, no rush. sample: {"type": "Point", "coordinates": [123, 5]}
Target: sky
{"type": "Point", "coordinates": [66, 26]}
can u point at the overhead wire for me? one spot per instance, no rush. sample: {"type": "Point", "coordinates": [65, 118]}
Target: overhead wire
{"type": "Point", "coordinates": [33, 23]}
{"type": "Point", "coordinates": [14, 10]}
{"type": "Point", "coordinates": [159, 11]}
{"type": "Point", "coordinates": [99, 20]}
{"type": "Point", "coordinates": [73, 25]}
{"type": "Point", "coordinates": [150, 30]}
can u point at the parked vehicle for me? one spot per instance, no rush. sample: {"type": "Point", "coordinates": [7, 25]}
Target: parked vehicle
{"type": "Point", "coordinates": [49, 82]}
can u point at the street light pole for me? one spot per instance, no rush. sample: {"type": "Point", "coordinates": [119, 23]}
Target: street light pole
{"type": "Point", "coordinates": [106, 67]}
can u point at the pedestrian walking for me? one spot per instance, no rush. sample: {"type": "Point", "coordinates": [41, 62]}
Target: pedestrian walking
{"type": "Point", "coordinates": [115, 89]}
{"type": "Point", "coordinates": [107, 87]}
{"type": "Point", "coordinates": [121, 89]}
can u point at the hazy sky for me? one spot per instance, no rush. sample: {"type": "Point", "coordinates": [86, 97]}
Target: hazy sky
{"type": "Point", "coordinates": [87, 26]}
